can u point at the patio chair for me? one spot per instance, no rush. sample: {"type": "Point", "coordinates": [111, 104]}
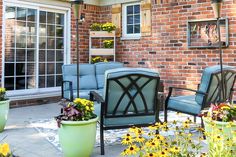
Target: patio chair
{"type": "Point", "coordinates": [130, 99]}
{"type": "Point", "coordinates": [206, 94]}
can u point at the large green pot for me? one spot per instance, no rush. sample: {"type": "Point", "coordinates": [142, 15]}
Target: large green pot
{"type": "Point", "coordinates": [4, 108]}
{"type": "Point", "coordinates": [77, 138]}
{"type": "Point", "coordinates": [212, 128]}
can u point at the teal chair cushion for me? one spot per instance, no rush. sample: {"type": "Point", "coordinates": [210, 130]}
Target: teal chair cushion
{"type": "Point", "coordinates": [185, 104]}
{"type": "Point", "coordinates": [86, 76]}
{"type": "Point", "coordinates": [205, 80]}
{"type": "Point", "coordinates": [101, 67]}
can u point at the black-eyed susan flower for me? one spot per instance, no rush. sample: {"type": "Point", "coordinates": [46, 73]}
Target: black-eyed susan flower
{"type": "Point", "coordinates": [151, 155]}
{"type": "Point", "coordinates": [132, 150]}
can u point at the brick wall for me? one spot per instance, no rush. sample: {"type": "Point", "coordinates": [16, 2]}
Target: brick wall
{"type": "Point", "coordinates": [166, 49]}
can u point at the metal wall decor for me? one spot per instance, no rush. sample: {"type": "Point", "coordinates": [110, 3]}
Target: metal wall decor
{"type": "Point", "coordinates": [203, 33]}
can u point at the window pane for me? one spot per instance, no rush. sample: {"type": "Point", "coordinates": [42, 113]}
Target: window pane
{"type": "Point", "coordinates": [30, 69]}
{"type": "Point", "coordinates": [21, 27]}
{"type": "Point", "coordinates": [10, 12]}
{"type": "Point", "coordinates": [130, 29]}
{"type": "Point", "coordinates": [41, 81]}
{"type": "Point", "coordinates": [136, 9]}
{"type": "Point", "coordinates": [130, 19]}
{"type": "Point", "coordinates": [50, 18]}
{"type": "Point", "coordinates": [50, 81]}
{"type": "Point", "coordinates": [9, 83]}
{"type": "Point", "coordinates": [51, 56]}
{"type": "Point", "coordinates": [50, 68]}
{"type": "Point", "coordinates": [9, 69]}
{"type": "Point", "coordinates": [31, 42]}
{"type": "Point", "coordinates": [137, 19]}
{"type": "Point", "coordinates": [9, 55]}
{"type": "Point", "coordinates": [20, 69]}
{"type": "Point", "coordinates": [59, 31]}
{"type": "Point", "coordinates": [31, 55]}
{"type": "Point", "coordinates": [42, 54]}
{"type": "Point", "coordinates": [42, 17]}
{"type": "Point", "coordinates": [130, 10]}
{"type": "Point", "coordinates": [51, 30]}
{"type": "Point", "coordinates": [30, 82]}
{"type": "Point", "coordinates": [58, 80]}
{"type": "Point", "coordinates": [31, 28]}
{"type": "Point", "coordinates": [42, 30]}
{"type": "Point", "coordinates": [20, 55]}
{"type": "Point", "coordinates": [21, 14]}
{"type": "Point", "coordinates": [137, 29]}
{"type": "Point", "coordinates": [59, 68]}
{"type": "Point", "coordinates": [51, 43]}
{"type": "Point", "coordinates": [59, 43]}
{"type": "Point", "coordinates": [59, 56]}
{"type": "Point", "coordinates": [42, 43]}
{"type": "Point", "coordinates": [60, 19]}
{"type": "Point", "coordinates": [21, 41]}
{"type": "Point", "coordinates": [31, 15]}
{"type": "Point", "coordinates": [41, 68]}
{"type": "Point", "coordinates": [9, 40]}
{"type": "Point", "coordinates": [20, 82]}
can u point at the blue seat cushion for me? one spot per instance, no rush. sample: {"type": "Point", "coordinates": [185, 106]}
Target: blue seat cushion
{"type": "Point", "coordinates": [86, 76]}
{"type": "Point", "coordinates": [186, 104]}
{"type": "Point", "coordinates": [101, 67]}
{"type": "Point", "coordinates": [82, 93]}
{"type": "Point", "coordinates": [129, 120]}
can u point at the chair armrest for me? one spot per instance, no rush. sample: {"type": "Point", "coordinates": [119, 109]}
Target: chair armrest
{"type": "Point", "coordinates": [192, 90]}
{"type": "Point", "coordinates": [94, 96]}
{"type": "Point", "coordinates": [70, 88]}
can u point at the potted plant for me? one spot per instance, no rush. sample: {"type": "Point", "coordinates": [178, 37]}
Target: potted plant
{"type": "Point", "coordinates": [77, 128]}
{"type": "Point", "coordinates": [4, 108]}
{"type": "Point", "coordinates": [98, 59]}
{"type": "Point", "coordinates": [149, 143]}
{"type": "Point", "coordinates": [108, 44]}
{"type": "Point", "coordinates": [220, 129]}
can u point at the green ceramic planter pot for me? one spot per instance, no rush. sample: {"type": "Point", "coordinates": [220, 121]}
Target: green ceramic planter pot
{"type": "Point", "coordinates": [77, 138]}
{"type": "Point", "coordinates": [226, 131]}
{"type": "Point", "coordinates": [4, 108]}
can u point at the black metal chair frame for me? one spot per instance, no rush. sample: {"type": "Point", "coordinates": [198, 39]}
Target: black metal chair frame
{"type": "Point", "coordinates": [204, 102]}
{"type": "Point", "coordinates": [104, 103]}
{"type": "Point", "coordinates": [70, 89]}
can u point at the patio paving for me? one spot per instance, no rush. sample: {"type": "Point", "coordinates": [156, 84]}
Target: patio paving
{"type": "Point", "coordinates": [25, 141]}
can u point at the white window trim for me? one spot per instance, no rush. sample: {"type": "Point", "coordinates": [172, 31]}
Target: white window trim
{"type": "Point", "coordinates": [67, 42]}
{"type": "Point", "coordinates": [126, 36]}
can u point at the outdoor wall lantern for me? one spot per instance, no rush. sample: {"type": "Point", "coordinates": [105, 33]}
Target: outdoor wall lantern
{"type": "Point", "coordinates": [77, 9]}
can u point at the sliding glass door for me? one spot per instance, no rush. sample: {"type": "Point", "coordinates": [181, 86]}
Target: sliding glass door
{"type": "Point", "coordinates": [34, 48]}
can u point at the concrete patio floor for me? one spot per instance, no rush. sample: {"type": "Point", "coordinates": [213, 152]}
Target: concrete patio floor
{"type": "Point", "coordinates": [25, 141]}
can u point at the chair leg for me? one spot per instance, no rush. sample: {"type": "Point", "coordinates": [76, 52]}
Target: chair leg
{"type": "Point", "coordinates": [194, 119]}
{"type": "Point", "coordinates": [165, 115]}
{"type": "Point", "coordinates": [202, 125]}
{"type": "Point", "coordinates": [102, 140]}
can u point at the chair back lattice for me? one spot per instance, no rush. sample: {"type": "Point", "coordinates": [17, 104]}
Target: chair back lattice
{"type": "Point", "coordinates": [226, 93]}
{"type": "Point", "coordinates": [211, 82]}
{"type": "Point", "coordinates": [131, 95]}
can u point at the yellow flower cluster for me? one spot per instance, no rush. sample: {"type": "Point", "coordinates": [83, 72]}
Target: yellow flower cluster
{"type": "Point", "coordinates": [98, 59]}
{"type": "Point", "coordinates": [2, 90]}
{"type": "Point", "coordinates": [104, 27]}
{"type": "Point", "coordinates": [152, 144]}
{"type": "Point", "coordinates": [2, 94]}
{"type": "Point", "coordinates": [85, 104]}
{"type": "Point", "coordinates": [108, 43]}
{"type": "Point", "coordinates": [5, 150]}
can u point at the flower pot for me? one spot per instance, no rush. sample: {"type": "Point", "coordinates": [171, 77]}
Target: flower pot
{"type": "Point", "coordinates": [4, 108]}
{"type": "Point", "coordinates": [225, 132]}
{"type": "Point", "coordinates": [77, 138]}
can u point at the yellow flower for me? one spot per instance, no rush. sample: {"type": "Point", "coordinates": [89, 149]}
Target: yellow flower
{"type": "Point", "coordinates": [124, 152]}
{"type": "Point", "coordinates": [4, 149]}
{"type": "Point", "coordinates": [139, 139]}
{"type": "Point", "coordinates": [218, 138]}
{"type": "Point", "coordinates": [175, 150]}
{"type": "Point", "coordinates": [132, 150]}
{"type": "Point", "coordinates": [203, 155]}
{"type": "Point", "coordinates": [127, 140]}
{"type": "Point", "coordinates": [159, 137]}
{"type": "Point", "coordinates": [163, 154]}
{"type": "Point", "coordinates": [151, 155]}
